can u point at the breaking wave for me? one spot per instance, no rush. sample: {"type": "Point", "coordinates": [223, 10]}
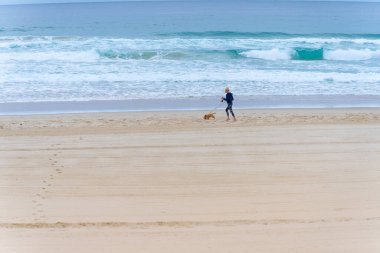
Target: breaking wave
{"type": "Point", "coordinates": [282, 47]}
{"type": "Point", "coordinates": [274, 54]}
{"type": "Point", "coordinates": [39, 68]}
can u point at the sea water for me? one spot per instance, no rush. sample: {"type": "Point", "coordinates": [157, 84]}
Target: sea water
{"type": "Point", "coordinates": [159, 50]}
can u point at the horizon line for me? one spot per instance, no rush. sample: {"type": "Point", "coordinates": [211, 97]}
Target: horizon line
{"type": "Point", "coordinates": [120, 1]}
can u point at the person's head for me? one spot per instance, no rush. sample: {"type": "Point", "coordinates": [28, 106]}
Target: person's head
{"type": "Point", "coordinates": [227, 89]}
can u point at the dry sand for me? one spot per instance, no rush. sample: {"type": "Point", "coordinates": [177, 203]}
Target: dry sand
{"type": "Point", "coordinates": [275, 181]}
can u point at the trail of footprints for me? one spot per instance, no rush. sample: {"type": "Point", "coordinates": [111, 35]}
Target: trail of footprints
{"type": "Point", "coordinates": [47, 183]}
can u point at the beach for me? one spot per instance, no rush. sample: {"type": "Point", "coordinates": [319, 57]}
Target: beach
{"type": "Point", "coordinates": [277, 180]}
{"type": "Point", "coordinates": [103, 146]}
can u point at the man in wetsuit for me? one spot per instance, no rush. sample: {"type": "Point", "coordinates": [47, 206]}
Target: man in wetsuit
{"type": "Point", "coordinates": [229, 98]}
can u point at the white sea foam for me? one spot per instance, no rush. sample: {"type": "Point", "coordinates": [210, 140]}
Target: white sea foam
{"type": "Point", "coordinates": [352, 54]}
{"type": "Point", "coordinates": [31, 56]}
{"type": "Point", "coordinates": [272, 54]}
{"type": "Point", "coordinates": [181, 76]}
{"type": "Point", "coordinates": [180, 43]}
{"type": "Point", "coordinates": [321, 41]}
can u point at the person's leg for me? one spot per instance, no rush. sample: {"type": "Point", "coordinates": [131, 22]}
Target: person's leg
{"type": "Point", "coordinates": [229, 108]}
{"type": "Point", "coordinates": [232, 113]}
{"type": "Point", "coordinates": [228, 116]}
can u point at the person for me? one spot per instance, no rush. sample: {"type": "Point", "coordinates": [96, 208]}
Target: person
{"type": "Point", "coordinates": [229, 98]}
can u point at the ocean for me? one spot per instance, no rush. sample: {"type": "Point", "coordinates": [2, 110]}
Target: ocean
{"type": "Point", "coordinates": [189, 50]}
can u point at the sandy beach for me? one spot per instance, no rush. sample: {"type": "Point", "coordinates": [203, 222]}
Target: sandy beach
{"type": "Point", "coordinates": [285, 180]}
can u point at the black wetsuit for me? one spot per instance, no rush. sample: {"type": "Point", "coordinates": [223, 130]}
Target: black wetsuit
{"type": "Point", "coordinates": [229, 98]}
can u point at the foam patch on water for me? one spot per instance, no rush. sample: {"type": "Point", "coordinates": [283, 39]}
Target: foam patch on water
{"type": "Point", "coordinates": [272, 54]}
{"type": "Point", "coordinates": [86, 56]}
{"type": "Point", "coordinates": [352, 54]}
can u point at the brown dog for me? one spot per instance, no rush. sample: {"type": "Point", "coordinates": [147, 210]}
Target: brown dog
{"type": "Point", "coordinates": [209, 116]}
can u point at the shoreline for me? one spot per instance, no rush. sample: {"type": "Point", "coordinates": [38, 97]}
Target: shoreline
{"type": "Point", "coordinates": [190, 104]}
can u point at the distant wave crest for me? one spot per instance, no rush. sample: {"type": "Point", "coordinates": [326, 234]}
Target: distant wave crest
{"type": "Point", "coordinates": [268, 35]}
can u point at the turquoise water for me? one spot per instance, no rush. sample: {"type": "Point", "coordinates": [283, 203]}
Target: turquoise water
{"type": "Point", "coordinates": [149, 50]}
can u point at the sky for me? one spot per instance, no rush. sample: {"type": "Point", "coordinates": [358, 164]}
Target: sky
{"type": "Point", "coordinates": [61, 1]}
{"type": "Point", "coordinates": [2, 2]}
{"type": "Point", "coordinates": [73, 1]}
